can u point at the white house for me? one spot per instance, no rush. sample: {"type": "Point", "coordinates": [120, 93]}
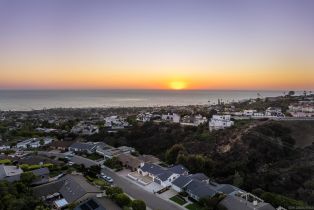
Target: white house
{"type": "Point", "coordinates": [90, 130]}
{"type": "Point", "coordinates": [125, 149]}
{"type": "Point", "coordinates": [34, 144]}
{"type": "Point", "coordinates": [115, 122]}
{"type": "Point", "coordinates": [199, 119]}
{"type": "Point", "coordinates": [249, 112]}
{"type": "Point", "coordinates": [85, 128]}
{"type": "Point", "coordinates": [144, 117]}
{"type": "Point", "coordinates": [47, 140]}
{"type": "Point", "coordinates": [302, 109]}
{"type": "Point", "coordinates": [274, 112]}
{"type": "Point", "coordinates": [175, 118]}
{"type": "Point", "coordinates": [258, 114]}
{"type": "Point", "coordinates": [109, 152]}
{"type": "Point", "coordinates": [23, 144]}
{"type": "Point", "coordinates": [218, 122]}
{"type": "Point", "coordinates": [160, 175]}
{"type": "Point", "coordinates": [4, 147]}
{"type": "Point", "coordinates": [193, 120]}
{"type": "Point", "coordinates": [88, 147]}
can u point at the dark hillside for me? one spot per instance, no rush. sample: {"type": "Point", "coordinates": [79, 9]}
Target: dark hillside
{"type": "Point", "coordinates": [251, 155]}
{"type": "Point", "coordinates": [301, 131]}
{"type": "Point", "coordinates": [267, 158]}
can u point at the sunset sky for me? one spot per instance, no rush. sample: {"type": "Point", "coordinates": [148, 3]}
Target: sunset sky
{"type": "Point", "coordinates": [157, 44]}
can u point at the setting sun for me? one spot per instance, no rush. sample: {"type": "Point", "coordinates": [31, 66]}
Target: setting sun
{"type": "Point", "coordinates": [177, 85]}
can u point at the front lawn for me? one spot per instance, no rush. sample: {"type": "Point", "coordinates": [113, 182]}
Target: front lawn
{"type": "Point", "coordinates": [194, 206]}
{"type": "Point", "coordinates": [5, 161]}
{"type": "Point", "coordinates": [100, 182]}
{"type": "Point", "coordinates": [178, 199]}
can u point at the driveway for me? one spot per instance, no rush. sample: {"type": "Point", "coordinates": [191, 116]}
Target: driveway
{"type": "Point", "coordinates": [168, 194]}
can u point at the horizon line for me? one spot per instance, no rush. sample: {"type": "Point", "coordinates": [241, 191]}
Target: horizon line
{"type": "Point", "coordinates": [145, 89]}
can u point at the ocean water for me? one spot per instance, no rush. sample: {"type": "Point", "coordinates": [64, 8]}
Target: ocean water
{"type": "Point", "coordinates": [25, 100]}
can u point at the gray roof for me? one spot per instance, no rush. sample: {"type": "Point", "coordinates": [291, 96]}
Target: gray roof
{"type": "Point", "coordinates": [199, 176]}
{"type": "Point", "coordinates": [200, 189]}
{"type": "Point", "coordinates": [91, 204]}
{"type": "Point", "coordinates": [48, 189]}
{"type": "Point", "coordinates": [164, 175]}
{"type": "Point", "coordinates": [2, 172]}
{"type": "Point", "coordinates": [72, 187]}
{"type": "Point", "coordinates": [83, 146]}
{"type": "Point", "coordinates": [36, 159]}
{"type": "Point", "coordinates": [40, 171]}
{"type": "Point", "coordinates": [75, 187]}
{"type": "Point", "coordinates": [42, 176]}
{"type": "Point", "coordinates": [14, 178]}
{"type": "Point", "coordinates": [12, 173]}
{"type": "Point", "coordinates": [227, 189]}
{"type": "Point", "coordinates": [182, 181]}
{"type": "Point", "coordinates": [237, 203]}
{"type": "Point", "coordinates": [152, 169]}
{"type": "Point", "coordinates": [178, 169]}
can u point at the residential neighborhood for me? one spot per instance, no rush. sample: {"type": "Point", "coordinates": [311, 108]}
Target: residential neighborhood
{"type": "Point", "coordinates": [76, 162]}
{"type": "Point", "coordinates": [144, 171]}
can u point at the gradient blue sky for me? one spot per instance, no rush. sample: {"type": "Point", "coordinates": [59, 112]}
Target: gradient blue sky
{"type": "Point", "coordinates": [205, 44]}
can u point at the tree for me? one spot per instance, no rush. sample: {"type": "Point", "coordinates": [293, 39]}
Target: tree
{"type": "Point", "coordinates": [80, 168]}
{"type": "Point", "coordinates": [17, 204]}
{"type": "Point", "coordinates": [138, 205]}
{"type": "Point", "coordinates": [17, 196]}
{"type": "Point", "coordinates": [195, 163]}
{"type": "Point", "coordinates": [212, 202]}
{"type": "Point", "coordinates": [122, 199]}
{"type": "Point", "coordinates": [237, 179]}
{"type": "Point", "coordinates": [280, 200]}
{"type": "Point", "coordinates": [182, 159]}
{"type": "Point", "coordinates": [113, 163]}
{"type": "Point", "coordinates": [172, 153]}
{"type": "Point", "coordinates": [41, 142]}
{"type": "Point", "coordinates": [41, 207]}
{"type": "Point", "coordinates": [212, 112]}
{"type": "Point", "coordinates": [112, 191]}
{"type": "Point", "coordinates": [27, 177]}
{"type": "Point", "coordinates": [92, 171]}
{"type": "Point", "coordinates": [291, 93]}
{"type": "Point", "coordinates": [72, 206]}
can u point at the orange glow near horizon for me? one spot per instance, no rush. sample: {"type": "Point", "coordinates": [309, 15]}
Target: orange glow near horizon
{"type": "Point", "coordinates": [177, 85]}
{"type": "Point", "coordinates": [251, 81]}
{"type": "Point", "coordinates": [107, 77]}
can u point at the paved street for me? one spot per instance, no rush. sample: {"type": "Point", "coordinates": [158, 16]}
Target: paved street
{"type": "Point", "coordinates": [76, 159]}
{"type": "Point", "coordinates": [151, 200]}
{"type": "Point", "coordinates": [295, 119]}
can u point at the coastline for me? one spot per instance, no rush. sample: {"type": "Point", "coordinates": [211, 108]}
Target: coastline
{"type": "Point", "coordinates": [28, 100]}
